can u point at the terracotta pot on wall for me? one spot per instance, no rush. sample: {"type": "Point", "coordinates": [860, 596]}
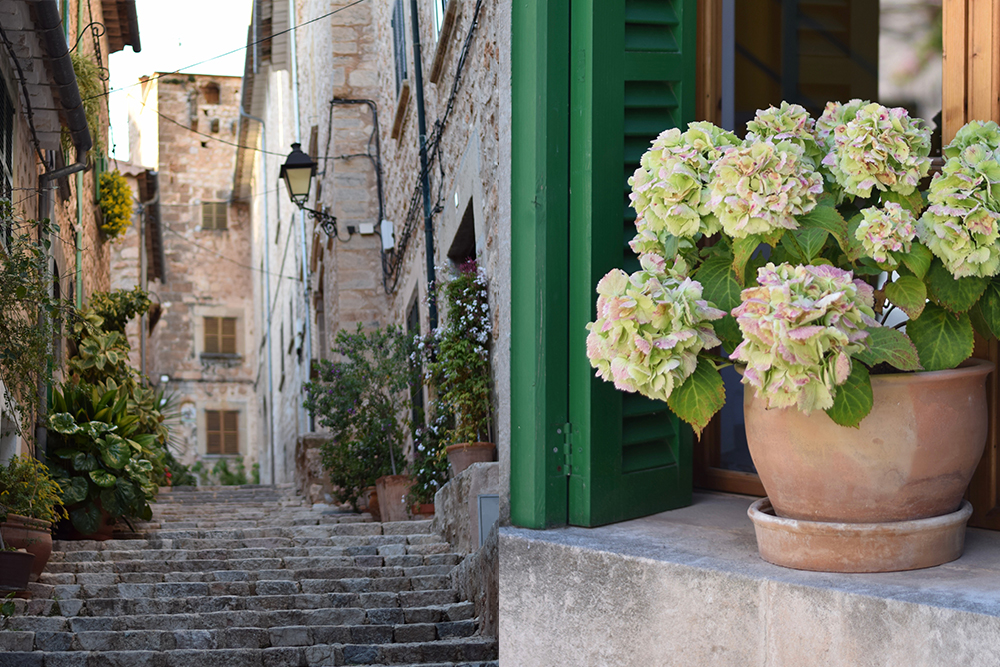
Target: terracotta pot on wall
{"type": "Point", "coordinates": [911, 460]}
{"type": "Point", "coordinates": [464, 454]}
{"type": "Point", "coordinates": [32, 535]}
{"type": "Point", "coordinates": [392, 491]}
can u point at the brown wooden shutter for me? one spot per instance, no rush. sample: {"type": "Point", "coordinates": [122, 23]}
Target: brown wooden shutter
{"type": "Point", "coordinates": [212, 335]}
{"type": "Point", "coordinates": [227, 338]}
{"type": "Point", "coordinates": [230, 432]}
{"type": "Point", "coordinates": [213, 428]}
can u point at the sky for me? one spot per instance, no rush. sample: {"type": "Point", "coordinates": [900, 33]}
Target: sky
{"type": "Point", "coordinates": [175, 34]}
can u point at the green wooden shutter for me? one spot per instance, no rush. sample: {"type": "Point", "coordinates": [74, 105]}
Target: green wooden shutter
{"type": "Point", "coordinates": [632, 76]}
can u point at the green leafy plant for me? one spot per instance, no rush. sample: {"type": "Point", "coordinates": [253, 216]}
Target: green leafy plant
{"type": "Point", "coordinates": [88, 78]}
{"type": "Point", "coordinates": [430, 461]}
{"type": "Point", "coordinates": [7, 607]}
{"type": "Point", "coordinates": [809, 251]}
{"type": "Point", "coordinates": [460, 366]}
{"type": "Point", "coordinates": [227, 477]}
{"type": "Point", "coordinates": [362, 399]}
{"type": "Point", "coordinates": [27, 488]}
{"type": "Point", "coordinates": [28, 316]}
{"type": "Point", "coordinates": [115, 203]}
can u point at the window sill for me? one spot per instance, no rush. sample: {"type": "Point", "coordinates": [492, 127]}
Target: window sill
{"type": "Point", "coordinates": [672, 582]}
{"type": "Point", "coordinates": [217, 357]}
{"type": "Point", "coordinates": [444, 38]}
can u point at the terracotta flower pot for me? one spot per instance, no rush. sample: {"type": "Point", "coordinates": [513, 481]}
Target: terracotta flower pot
{"type": "Point", "coordinates": [371, 502]}
{"type": "Point", "coordinates": [392, 490]}
{"type": "Point", "coordinates": [464, 454]}
{"type": "Point", "coordinates": [32, 535]}
{"type": "Point", "coordinates": [912, 457]}
{"type": "Point", "coordinates": [15, 568]}
{"type": "Point", "coordinates": [422, 509]}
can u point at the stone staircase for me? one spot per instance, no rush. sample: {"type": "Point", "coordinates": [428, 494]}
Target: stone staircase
{"type": "Point", "coordinates": [248, 577]}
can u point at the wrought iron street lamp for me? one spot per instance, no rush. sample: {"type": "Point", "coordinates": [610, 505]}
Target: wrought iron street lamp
{"type": "Point", "coordinates": [297, 173]}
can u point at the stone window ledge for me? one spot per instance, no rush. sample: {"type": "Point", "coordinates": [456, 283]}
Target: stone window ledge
{"type": "Point", "coordinates": [687, 587]}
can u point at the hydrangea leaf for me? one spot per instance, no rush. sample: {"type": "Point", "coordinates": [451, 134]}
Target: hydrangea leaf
{"type": "Point", "coordinates": [853, 400]}
{"type": "Point", "coordinates": [943, 339]}
{"type": "Point", "coordinates": [719, 283]}
{"type": "Point", "coordinates": [74, 490]}
{"type": "Point", "coordinates": [891, 346]}
{"type": "Point", "coordinates": [102, 478]}
{"type": "Point", "coordinates": [728, 331]}
{"type": "Point", "coordinates": [986, 313]}
{"type": "Point", "coordinates": [829, 219]}
{"type": "Point", "coordinates": [699, 397]}
{"type": "Point", "coordinates": [743, 249]}
{"type": "Point", "coordinates": [957, 295]}
{"type": "Point", "coordinates": [86, 519]}
{"type": "Point", "coordinates": [918, 259]}
{"type": "Point", "coordinates": [909, 294]}
{"type": "Point", "coordinates": [913, 202]}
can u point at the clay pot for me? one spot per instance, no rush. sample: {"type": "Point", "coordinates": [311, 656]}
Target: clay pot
{"type": "Point", "coordinates": [912, 457]}
{"type": "Point", "coordinates": [464, 454]}
{"type": "Point", "coordinates": [422, 509]}
{"type": "Point", "coordinates": [371, 501]}
{"type": "Point", "coordinates": [15, 568]}
{"type": "Point", "coordinates": [392, 491]}
{"type": "Point", "coordinates": [32, 535]}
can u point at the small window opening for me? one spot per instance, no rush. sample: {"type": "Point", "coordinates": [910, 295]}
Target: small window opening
{"type": "Point", "coordinates": [463, 247]}
{"type": "Point", "coordinates": [210, 91]}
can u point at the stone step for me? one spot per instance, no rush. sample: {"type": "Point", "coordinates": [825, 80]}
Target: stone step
{"type": "Point", "coordinates": [234, 637]}
{"type": "Point", "coordinates": [393, 566]}
{"type": "Point", "coordinates": [274, 547]}
{"type": "Point", "coordinates": [458, 611]}
{"type": "Point", "coordinates": [213, 564]}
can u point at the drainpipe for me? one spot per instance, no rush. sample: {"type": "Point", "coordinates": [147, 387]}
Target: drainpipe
{"type": "Point", "coordinates": [418, 76]}
{"type": "Point", "coordinates": [307, 283]}
{"type": "Point", "coordinates": [267, 291]}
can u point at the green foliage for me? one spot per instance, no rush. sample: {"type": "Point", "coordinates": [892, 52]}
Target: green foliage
{"type": "Point", "coordinates": [118, 307]}
{"type": "Point", "coordinates": [115, 203]}
{"type": "Point", "coordinates": [362, 399]}
{"type": "Point", "coordinates": [943, 339]}
{"type": "Point", "coordinates": [430, 465]}
{"type": "Point", "coordinates": [28, 316]}
{"type": "Point", "coordinates": [854, 399]}
{"type": "Point", "coordinates": [700, 397]}
{"type": "Point", "coordinates": [461, 369]}
{"type": "Point", "coordinates": [226, 477]}
{"type": "Point", "coordinates": [27, 488]}
{"type": "Point", "coordinates": [176, 473]}
{"type": "Point", "coordinates": [88, 78]}
{"type": "Point", "coordinates": [7, 606]}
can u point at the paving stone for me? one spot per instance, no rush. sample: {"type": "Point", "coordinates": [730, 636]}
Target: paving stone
{"type": "Point", "coordinates": [17, 641]}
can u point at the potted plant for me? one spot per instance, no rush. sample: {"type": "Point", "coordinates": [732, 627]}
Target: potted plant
{"type": "Point", "coordinates": [362, 398]}
{"type": "Point", "coordinates": [808, 251]}
{"type": "Point", "coordinates": [460, 367]}
{"type": "Point", "coordinates": [430, 463]}
{"type": "Point", "coordinates": [15, 568]}
{"type": "Point", "coordinates": [32, 501]}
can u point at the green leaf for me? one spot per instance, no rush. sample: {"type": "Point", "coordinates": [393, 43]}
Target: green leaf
{"type": "Point", "coordinates": [103, 478]}
{"type": "Point", "coordinates": [84, 462]}
{"type": "Point", "coordinates": [110, 502]}
{"type": "Point", "coordinates": [115, 452]}
{"type": "Point", "coordinates": [728, 331]}
{"type": "Point", "coordinates": [719, 282]}
{"type": "Point", "coordinates": [887, 345]}
{"type": "Point", "coordinates": [828, 218]}
{"type": "Point", "coordinates": [987, 310]}
{"type": "Point", "coordinates": [909, 294]}
{"type": "Point", "coordinates": [854, 250]}
{"type": "Point", "coordinates": [699, 397]}
{"type": "Point", "coordinates": [912, 202]}
{"type": "Point", "coordinates": [21, 291]}
{"type": "Point", "coordinates": [147, 512]}
{"type": "Point", "coordinates": [74, 490]}
{"type": "Point", "coordinates": [853, 400]}
{"type": "Point", "coordinates": [65, 453]}
{"type": "Point", "coordinates": [811, 241]}
{"type": "Point", "coordinates": [943, 339]}
{"type": "Point", "coordinates": [86, 519]}
{"type": "Point", "coordinates": [742, 250]}
{"type": "Point", "coordinates": [63, 422]}
{"type": "Point", "coordinates": [956, 294]}
{"type": "Point", "coordinates": [129, 496]}
{"type": "Point", "coordinates": [918, 259]}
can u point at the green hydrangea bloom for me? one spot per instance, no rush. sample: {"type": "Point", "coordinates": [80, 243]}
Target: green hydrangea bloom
{"type": "Point", "coordinates": [761, 186]}
{"type": "Point", "coordinates": [789, 122]}
{"type": "Point", "coordinates": [800, 326]}
{"type": "Point", "coordinates": [650, 328]}
{"type": "Point", "coordinates": [972, 133]}
{"type": "Point", "coordinates": [668, 189]}
{"type": "Point", "coordinates": [878, 148]}
{"type": "Point", "coordinates": [885, 230]}
{"type": "Point", "coordinates": [834, 115]}
{"type": "Point", "coordinates": [960, 225]}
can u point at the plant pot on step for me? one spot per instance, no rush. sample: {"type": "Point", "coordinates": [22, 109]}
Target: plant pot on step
{"type": "Point", "coordinates": [371, 503]}
{"type": "Point", "coordinates": [909, 462]}
{"type": "Point", "coordinates": [422, 509]}
{"type": "Point", "coordinates": [464, 454]}
{"type": "Point", "coordinates": [392, 492]}
{"type": "Point", "coordinates": [15, 568]}
{"type": "Point", "coordinates": [32, 535]}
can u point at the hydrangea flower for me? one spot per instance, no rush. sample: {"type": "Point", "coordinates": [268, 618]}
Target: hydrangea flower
{"type": "Point", "coordinates": [885, 230]}
{"type": "Point", "coordinates": [800, 327]}
{"type": "Point", "coordinates": [761, 186]}
{"type": "Point", "coordinates": [668, 187]}
{"type": "Point", "coordinates": [960, 225]}
{"type": "Point", "coordinates": [972, 133]}
{"type": "Point", "coordinates": [650, 328]}
{"type": "Point", "coordinates": [878, 148]}
{"type": "Point", "coordinates": [835, 114]}
{"type": "Point", "coordinates": [789, 122]}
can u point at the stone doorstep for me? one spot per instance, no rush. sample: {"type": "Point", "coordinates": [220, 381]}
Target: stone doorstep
{"type": "Point", "coordinates": [688, 587]}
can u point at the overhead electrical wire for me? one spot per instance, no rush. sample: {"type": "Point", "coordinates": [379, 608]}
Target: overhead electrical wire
{"type": "Point", "coordinates": [228, 259]}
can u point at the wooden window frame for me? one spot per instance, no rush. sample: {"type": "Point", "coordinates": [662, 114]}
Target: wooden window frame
{"type": "Point", "coordinates": [227, 428]}
{"type": "Point", "coordinates": [216, 339]}
{"type": "Point", "coordinates": [212, 214]}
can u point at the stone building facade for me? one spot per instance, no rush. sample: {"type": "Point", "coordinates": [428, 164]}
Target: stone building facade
{"type": "Point", "coordinates": [203, 346]}
{"type": "Point", "coordinates": [348, 96]}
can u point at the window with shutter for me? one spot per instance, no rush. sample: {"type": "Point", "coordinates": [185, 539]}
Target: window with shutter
{"type": "Point", "coordinates": [399, 43]}
{"type": "Point", "coordinates": [222, 432]}
{"type": "Point", "coordinates": [214, 215]}
{"type": "Point", "coordinates": [220, 335]}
